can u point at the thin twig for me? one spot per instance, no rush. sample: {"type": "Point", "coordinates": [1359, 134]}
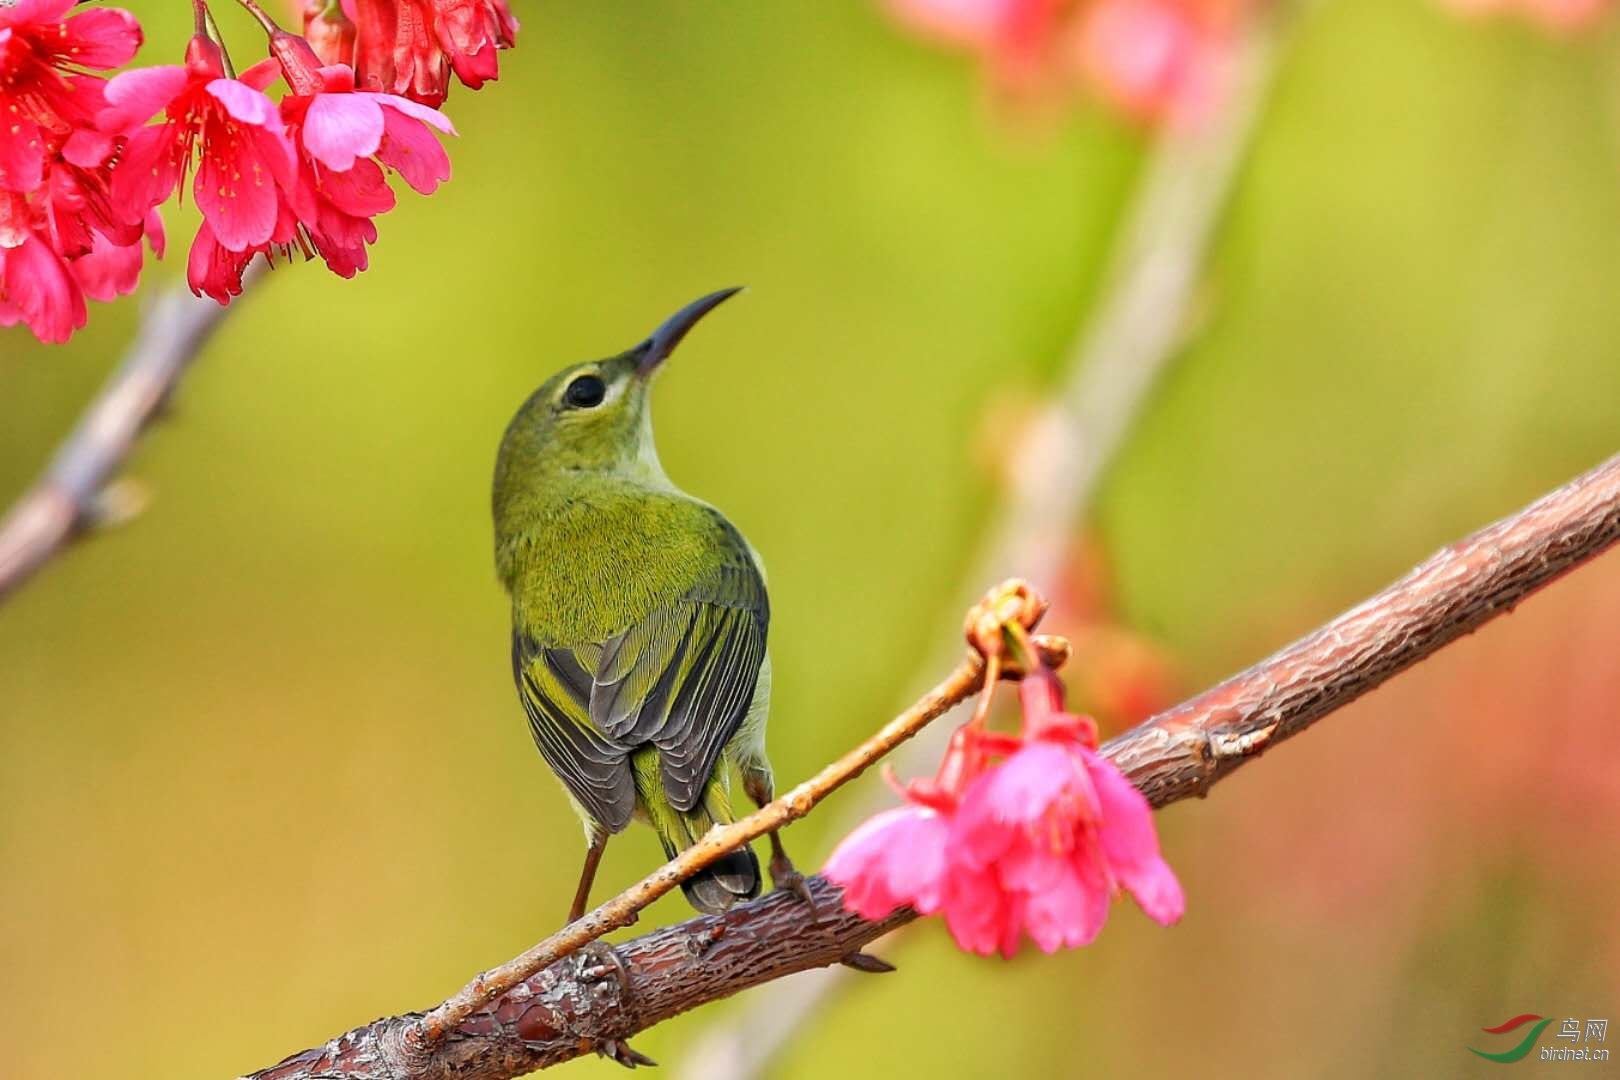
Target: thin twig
{"type": "Point", "coordinates": [575, 1006]}
{"type": "Point", "coordinates": [64, 502]}
{"type": "Point", "coordinates": [1137, 330]}
{"type": "Point", "coordinates": [623, 910]}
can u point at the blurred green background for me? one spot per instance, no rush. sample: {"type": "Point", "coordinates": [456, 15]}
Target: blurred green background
{"type": "Point", "coordinates": [264, 776]}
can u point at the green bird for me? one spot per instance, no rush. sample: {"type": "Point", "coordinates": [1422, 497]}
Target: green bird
{"type": "Point", "coordinates": [639, 618]}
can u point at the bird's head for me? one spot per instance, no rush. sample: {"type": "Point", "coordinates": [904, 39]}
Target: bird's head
{"type": "Point", "coordinates": [593, 418]}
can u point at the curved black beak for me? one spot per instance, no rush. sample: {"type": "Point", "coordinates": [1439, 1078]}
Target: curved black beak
{"type": "Point", "coordinates": [656, 349]}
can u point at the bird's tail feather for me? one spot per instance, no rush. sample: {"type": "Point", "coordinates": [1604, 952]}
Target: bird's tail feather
{"type": "Point", "coordinates": [732, 877]}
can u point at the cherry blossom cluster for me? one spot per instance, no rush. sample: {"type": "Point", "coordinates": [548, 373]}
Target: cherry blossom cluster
{"type": "Point", "coordinates": [1029, 834]}
{"type": "Point", "coordinates": [1155, 61]}
{"type": "Point", "coordinates": [86, 160]}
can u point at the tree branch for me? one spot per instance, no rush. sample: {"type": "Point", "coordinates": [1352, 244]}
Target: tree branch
{"type": "Point", "coordinates": [578, 1004]}
{"type": "Point", "coordinates": [65, 501]}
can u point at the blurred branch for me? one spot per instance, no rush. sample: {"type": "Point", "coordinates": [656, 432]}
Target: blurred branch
{"type": "Point", "coordinates": [70, 497]}
{"type": "Point", "coordinates": [1138, 327]}
{"type": "Point", "coordinates": [581, 1003]}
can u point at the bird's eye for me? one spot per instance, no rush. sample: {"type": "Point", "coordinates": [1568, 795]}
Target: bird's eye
{"type": "Point", "coordinates": [585, 392]}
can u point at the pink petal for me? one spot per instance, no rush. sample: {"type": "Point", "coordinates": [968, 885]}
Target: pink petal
{"type": "Point", "coordinates": [979, 914]}
{"type": "Point", "coordinates": [147, 172]}
{"type": "Point", "coordinates": [1041, 788]}
{"type": "Point", "coordinates": [1071, 911]}
{"type": "Point", "coordinates": [39, 289]}
{"type": "Point", "coordinates": [261, 76]}
{"type": "Point", "coordinates": [22, 156]}
{"type": "Point", "coordinates": [101, 38]}
{"type": "Point", "coordinates": [276, 151]}
{"type": "Point", "coordinates": [34, 11]}
{"type": "Point", "coordinates": [342, 127]}
{"type": "Point", "coordinates": [211, 270]}
{"type": "Point", "coordinates": [134, 97]}
{"type": "Point", "coordinates": [338, 78]}
{"type": "Point", "coordinates": [87, 148]}
{"type": "Point", "coordinates": [246, 104]}
{"type": "Point", "coordinates": [155, 236]}
{"type": "Point", "coordinates": [109, 270]}
{"type": "Point", "coordinates": [895, 858]}
{"type": "Point", "coordinates": [341, 240]}
{"type": "Point", "coordinates": [363, 191]}
{"type": "Point", "coordinates": [1131, 844]}
{"type": "Point", "coordinates": [416, 111]}
{"type": "Point", "coordinates": [411, 150]}
{"type": "Point", "coordinates": [235, 190]}
{"type": "Point", "coordinates": [15, 220]}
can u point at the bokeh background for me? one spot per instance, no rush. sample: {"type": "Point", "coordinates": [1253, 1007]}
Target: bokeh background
{"type": "Point", "coordinates": [262, 772]}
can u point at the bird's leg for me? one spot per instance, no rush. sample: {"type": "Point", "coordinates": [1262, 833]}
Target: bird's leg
{"type": "Point", "coordinates": [593, 858]}
{"type": "Point", "coordinates": [784, 875]}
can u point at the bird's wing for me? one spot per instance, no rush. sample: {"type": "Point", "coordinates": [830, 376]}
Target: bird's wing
{"type": "Point", "coordinates": [555, 690]}
{"type": "Point", "coordinates": [681, 678]}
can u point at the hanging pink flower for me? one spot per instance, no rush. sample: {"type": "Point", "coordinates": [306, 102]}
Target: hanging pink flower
{"type": "Point", "coordinates": [245, 164]}
{"type": "Point", "coordinates": [1054, 832]}
{"type": "Point", "coordinates": [344, 138]}
{"type": "Point", "coordinates": [1036, 844]}
{"type": "Point", "coordinates": [471, 32]}
{"type": "Point", "coordinates": [410, 47]}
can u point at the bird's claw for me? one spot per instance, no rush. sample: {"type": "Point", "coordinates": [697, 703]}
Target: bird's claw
{"type": "Point", "coordinates": [624, 1053]}
{"type": "Point", "coordinates": [598, 961]}
{"type": "Point", "coordinates": [865, 961]}
{"type": "Point", "coordinates": [786, 878]}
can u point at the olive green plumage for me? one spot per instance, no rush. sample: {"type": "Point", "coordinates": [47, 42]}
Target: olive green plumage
{"type": "Point", "coordinates": [639, 616]}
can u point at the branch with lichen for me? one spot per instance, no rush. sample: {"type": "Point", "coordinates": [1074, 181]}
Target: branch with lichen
{"type": "Point", "coordinates": [561, 999]}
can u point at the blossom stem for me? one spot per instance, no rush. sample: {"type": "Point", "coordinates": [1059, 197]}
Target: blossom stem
{"type": "Point", "coordinates": [209, 29]}
{"type": "Point", "coordinates": [258, 13]}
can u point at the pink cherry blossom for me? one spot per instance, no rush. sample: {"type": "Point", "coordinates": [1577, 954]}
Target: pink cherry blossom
{"type": "Point", "coordinates": [245, 164]}
{"type": "Point", "coordinates": [1036, 844]}
{"type": "Point", "coordinates": [410, 47]}
{"type": "Point", "coordinates": [344, 138]}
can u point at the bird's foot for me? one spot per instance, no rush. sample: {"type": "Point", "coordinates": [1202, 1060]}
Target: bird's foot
{"type": "Point", "coordinates": [599, 962]}
{"type": "Point", "coordinates": [607, 978]}
{"type": "Point", "coordinates": [865, 961]}
{"type": "Point", "coordinates": [786, 878]}
{"type": "Point", "coordinates": [623, 1053]}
